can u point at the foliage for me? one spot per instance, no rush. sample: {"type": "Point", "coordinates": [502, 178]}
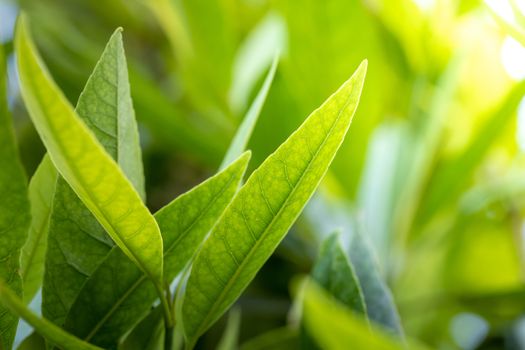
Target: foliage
{"type": "Point", "coordinates": [138, 229]}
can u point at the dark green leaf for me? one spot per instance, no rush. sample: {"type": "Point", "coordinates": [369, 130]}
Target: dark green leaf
{"type": "Point", "coordinates": [14, 211]}
{"type": "Point", "coordinates": [47, 329]}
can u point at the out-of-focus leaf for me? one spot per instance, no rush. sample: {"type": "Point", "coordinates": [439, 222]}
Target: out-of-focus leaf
{"type": "Point", "coordinates": [334, 272]}
{"type": "Point", "coordinates": [33, 342]}
{"type": "Point", "coordinates": [454, 174]}
{"type": "Point", "coordinates": [425, 148]}
{"type": "Point", "coordinates": [41, 193]}
{"type": "Point", "coordinates": [14, 211]}
{"type": "Point", "coordinates": [327, 214]}
{"type": "Point", "coordinates": [319, 31]}
{"type": "Point", "coordinates": [379, 194]}
{"type": "Point", "coordinates": [47, 329]}
{"type": "Point", "coordinates": [379, 302]}
{"type": "Point", "coordinates": [103, 318]}
{"type": "Point", "coordinates": [511, 28]}
{"type": "Point", "coordinates": [242, 136]}
{"type": "Point", "coordinates": [334, 327]}
{"type": "Point", "coordinates": [277, 339]}
{"type": "Point", "coordinates": [264, 209]}
{"type": "Point", "coordinates": [100, 183]}
{"type": "Point", "coordinates": [256, 53]}
{"type": "Point", "coordinates": [77, 243]}
{"type": "Point", "coordinates": [230, 337]}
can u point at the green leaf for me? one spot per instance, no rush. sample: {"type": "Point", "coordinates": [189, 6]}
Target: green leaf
{"type": "Point", "coordinates": [333, 327]}
{"type": "Point", "coordinates": [77, 242]}
{"type": "Point", "coordinates": [254, 55]}
{"type": "Point", "coordinates": [263, 211]}
{"type": "Point", "coordinates": [334, 272]}
{"type": "Point", "coordinates": [378, 298]}
{"type": "Point", "coordinates": [47, 329]}
{"type": "Point", "coordinates": [451, 178]}
{"type": "Point", "coordinates": [148, 334]}
{"type": "Point", "coordinates": [82, 161]}
{"type": "Point", "coordinates": [242, 136]}
{"type": "Point", "coordinates": [103, 318]}
{"type": "Point", "coordinates": [284, 338]}
{"type": "Point", "coordinates": [33, 342]}
{"type": "Point", "coordinates": [230, 337]}
{"type": "Point", "coordinates": [14, 210]}
{"type": "Point", "coordinates": [41, 192]}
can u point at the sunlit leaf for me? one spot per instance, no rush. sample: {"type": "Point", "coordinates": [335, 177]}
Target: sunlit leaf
{"type": "Point", "coordinates": [263, 211]}
{"type": "Point", "coordinates": [82, 161]}
{"type": "Point", "coordinates": [77, 243]}
{"type": "Point", "coordinates": [254, 56]}
{"type": "Point", "coordinates": [242, 136]}
{"type": "Point", "coordinates": [14, 210]}
{"type": "Point", "coordinates": [104, 317]}
{"type": "Point", "coordinates": [41, 193]}
{"type": "Point", "coordinates": [335, 327]}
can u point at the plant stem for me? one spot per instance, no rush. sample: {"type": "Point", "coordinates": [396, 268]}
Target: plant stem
{"type": "Point", "coordinates": [168, 337]}
{"type": "Point", "coordinates": [168, 319]}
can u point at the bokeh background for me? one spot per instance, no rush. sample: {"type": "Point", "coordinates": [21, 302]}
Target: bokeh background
{"type": "Point", "coordinates": [432, 171]}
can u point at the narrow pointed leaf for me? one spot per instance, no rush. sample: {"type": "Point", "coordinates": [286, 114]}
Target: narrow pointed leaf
{"type": "Point", "coordinates": [381, 308]}
{"type": "Point", "coordinates": [242, 136]}
{"type": "Point", "coordinates": [335, 273]}
{"type": "Point", "coordinates": [14, 211]}
{"type": "Point", "coordinates": [230, 337]}
{"type": "Point", "coordinates": [47, 329]}
{"type": "Point", "coordinates": [264, 209]}
{"type": "Point", "coordinates": [41, 192]}
{"type": "Point", "coordinates": [82, 161]}
{"type": "Point", "coordinates": [333, 327]}
{"type": "Point", "coordinates": [103, 317]}
{"type": "Point", "coordinates": [77, 242]}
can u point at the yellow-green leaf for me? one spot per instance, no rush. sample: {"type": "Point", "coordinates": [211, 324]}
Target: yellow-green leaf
{"type": "Point", "coordinates": [82, 161]}
{"type": "Point", "coordinates": [77, 243]}
{"type": "Point", "coordinates": [41, 191]}
{"type": "Point", "coordinates": [264, 209]}
{"type": "Point", "coordinates": [336, 328]}
{"type": "Point", "coordinates": [102, 318]}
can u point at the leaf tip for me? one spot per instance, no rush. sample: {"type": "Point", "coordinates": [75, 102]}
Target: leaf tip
{"type": "Point", "coordinates": [362, 69]}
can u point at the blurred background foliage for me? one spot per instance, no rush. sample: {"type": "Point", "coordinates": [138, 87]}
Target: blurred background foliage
{"type": "Point", "coordinates": [432, 171]}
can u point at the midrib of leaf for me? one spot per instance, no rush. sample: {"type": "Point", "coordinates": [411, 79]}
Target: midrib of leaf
{"type": "Point", "coordinates": [76, 172]}
{"type": "Point", "coordinates": [251, 251]}
{"type": "Point", "coordinates": [143, 277]}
